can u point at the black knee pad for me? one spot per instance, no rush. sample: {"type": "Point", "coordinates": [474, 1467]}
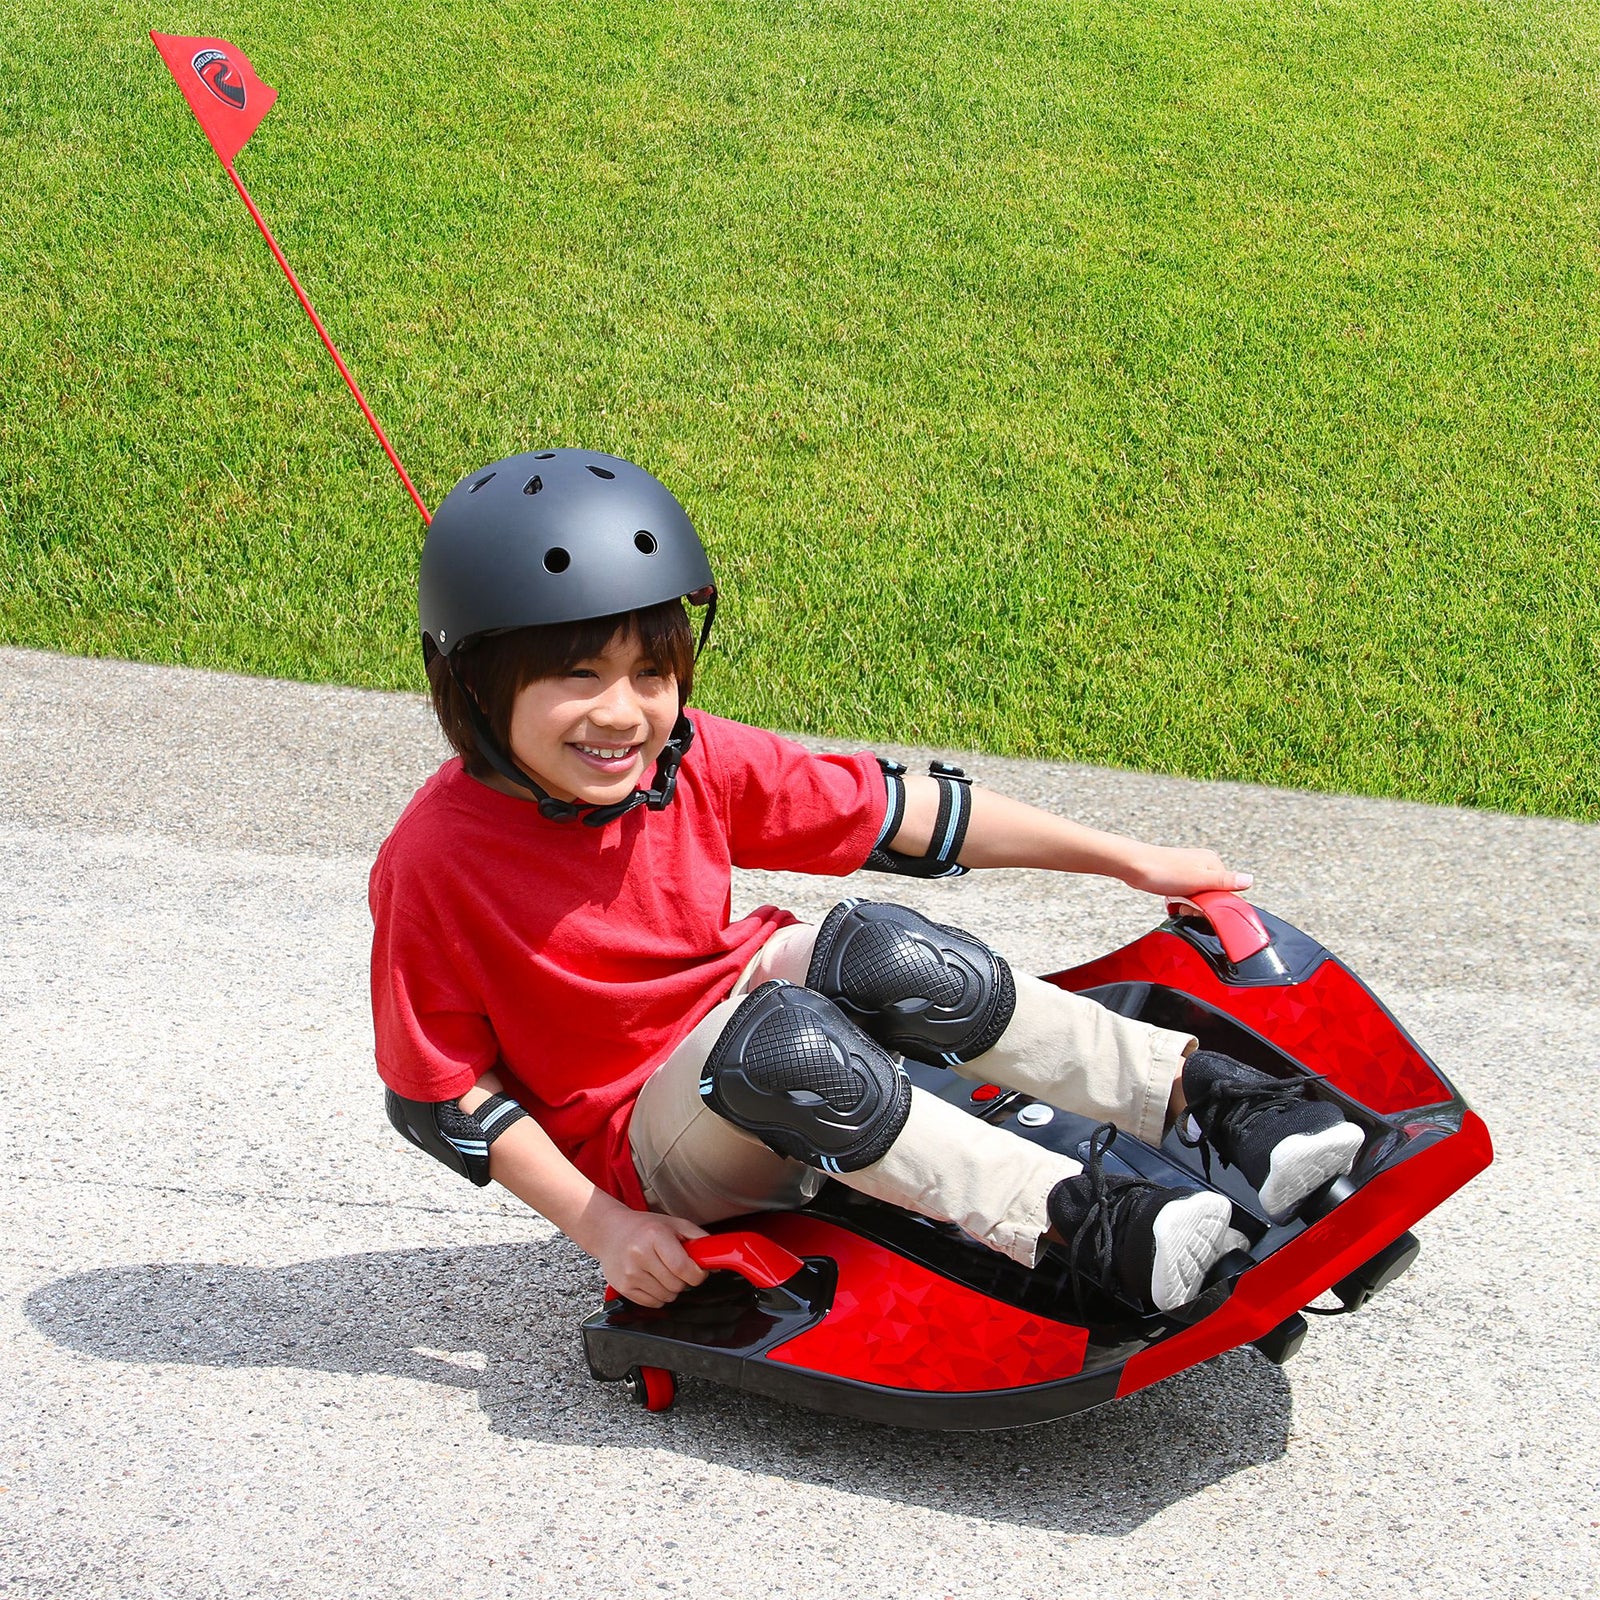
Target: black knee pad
{"type": "Point", "coordinates": [918, 987]}
{"type": "Point", "coordinates": [793, 1070]}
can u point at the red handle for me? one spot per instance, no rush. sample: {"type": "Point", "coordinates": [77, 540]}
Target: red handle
{"type": "Point", "coordinates": [1234, 921]}
{"type": "Point", "coordinates": [752, 1255]}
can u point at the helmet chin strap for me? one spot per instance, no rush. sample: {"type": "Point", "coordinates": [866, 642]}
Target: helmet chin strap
{"type": "Point", "coordinates": [659, 795]}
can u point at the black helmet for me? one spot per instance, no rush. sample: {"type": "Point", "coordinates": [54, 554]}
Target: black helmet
{"type": "Point", "coordinates": [554, 536]}
{"type": "Point", "coordinates": [558, 536]}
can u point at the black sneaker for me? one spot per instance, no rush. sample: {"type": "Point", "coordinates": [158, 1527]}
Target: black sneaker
{"type": "Point", "coordinates": [1148, 1245]}
{"type": "Point", "coordinates": [1286, 1144]}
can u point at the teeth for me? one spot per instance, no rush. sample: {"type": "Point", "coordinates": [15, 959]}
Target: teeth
{"type": "Point", "coordinates": [606, 755]}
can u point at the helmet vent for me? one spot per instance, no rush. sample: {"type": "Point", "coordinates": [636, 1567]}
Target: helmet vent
{"type": "Point", "coordinates": [644, 542]}
{"type": "Point", "coordinates": [545, 455]}
{"type": "Point", "coordinates": [556, 559]}
{"type": "Point", "coordinates": [600, 472]}
{"type": "Point", "coordinates": [533, 485]}
{"type": "Point", "coordinates": [480, 483]}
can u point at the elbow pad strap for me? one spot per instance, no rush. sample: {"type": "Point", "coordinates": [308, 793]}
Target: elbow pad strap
{"type": "Point", "coordinates": [949, 827]}
{"type": "Point", "coordinates": [460, 1139]}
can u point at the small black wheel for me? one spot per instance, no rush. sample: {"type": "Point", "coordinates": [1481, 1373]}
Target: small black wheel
{"type": "Point", "coordinates": [654, 1388]}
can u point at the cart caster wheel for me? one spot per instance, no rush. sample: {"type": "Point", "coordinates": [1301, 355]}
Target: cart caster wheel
{"type": "Point", "coordinates": [654, 1388]}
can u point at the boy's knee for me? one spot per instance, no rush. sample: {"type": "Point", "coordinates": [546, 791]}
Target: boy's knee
{"type": "Point", "coordinates": [793, 1070]}
{"type": "Point", "coordinates": [919, 987]}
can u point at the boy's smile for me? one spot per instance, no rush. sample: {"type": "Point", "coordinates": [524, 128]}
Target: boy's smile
{"type": "Point", "coordinates": [593, 733]}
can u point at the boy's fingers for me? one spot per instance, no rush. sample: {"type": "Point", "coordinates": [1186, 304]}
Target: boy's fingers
{"type": "Point", "coordinates": [634, 1291]}
{"type": "Point", "coordinates": [681, 1264]}
{"type": "Point", "coordinates": [677, 1259]}
{"type": "Point", "coordinates": [650, 1288]}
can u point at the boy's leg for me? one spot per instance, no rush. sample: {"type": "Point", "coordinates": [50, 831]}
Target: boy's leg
{"type": "Point", "coordinates": [1079, 1055]}
{"type": "Point", "coordinates": [938, 993]}
{"type": "Point", "coordinates": [949, 1165]}
{"type": "Point", "coordinates": [691, 1162]}
{"type": "Point", "coordinates": [1057, 1046]}
{"type": "Point", "coordinates": [786, 956]}
{"type": "Point", "coordinates": [788, 1067]}
{"type": "Point", "coordinates": [943, 1163]}
{"type": "Point", "coordinates": [694, 1164]}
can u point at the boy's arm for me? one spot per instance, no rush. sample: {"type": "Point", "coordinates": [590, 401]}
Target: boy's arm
{"type": "Point", "coordinates": [1009, 833]}
{"type": "Point", "coordinates": [640, 1252]}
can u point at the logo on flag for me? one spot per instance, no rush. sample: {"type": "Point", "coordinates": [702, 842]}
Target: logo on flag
{"type": "Point", "coordinates": [220, 106]}
{"type": "Point", "coordinates": [215, 71]}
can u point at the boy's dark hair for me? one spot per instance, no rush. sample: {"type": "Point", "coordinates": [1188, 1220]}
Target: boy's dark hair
{"type": "Point", "coordinates": [495, 667]}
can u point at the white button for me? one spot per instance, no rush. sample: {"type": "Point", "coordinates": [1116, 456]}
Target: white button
{"type": "Point", "coordinates": [1035, 1115]}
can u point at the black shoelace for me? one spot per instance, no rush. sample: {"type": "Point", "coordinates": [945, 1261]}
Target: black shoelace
{"type": "Point", "coordinates": [1224, 1110]}
{"type": "Point", "coordinates": [1096, 1233]}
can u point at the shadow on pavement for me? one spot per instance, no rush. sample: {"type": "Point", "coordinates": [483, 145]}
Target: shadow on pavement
{"type": "Point", "coordinates": [502, 1320]}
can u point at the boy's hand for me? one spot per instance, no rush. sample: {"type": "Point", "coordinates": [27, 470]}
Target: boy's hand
{"type": "Point", "coordinates": [642, 1256]}
{"type": "Point", "coordinates": [1159, 870]}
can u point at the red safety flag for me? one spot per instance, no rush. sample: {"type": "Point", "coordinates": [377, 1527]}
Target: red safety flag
{"type": "Point", "coordinates": [224, 94]}
{"type": "Point", "coordinates": [229, 100]}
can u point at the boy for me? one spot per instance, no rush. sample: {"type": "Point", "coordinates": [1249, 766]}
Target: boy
{"type": "Point", "coordinates": [555, 974]}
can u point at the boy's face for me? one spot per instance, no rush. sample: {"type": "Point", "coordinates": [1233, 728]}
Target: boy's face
{"type": "Point", "coordinates": [593, 733]}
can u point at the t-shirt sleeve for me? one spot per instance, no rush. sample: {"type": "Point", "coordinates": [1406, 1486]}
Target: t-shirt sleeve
{"type": "Point", "coordinates": [433, 1040]}
{"type": "Point", "coordinates": [791, 810]}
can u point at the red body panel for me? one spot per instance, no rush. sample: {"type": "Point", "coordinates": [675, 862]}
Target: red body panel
{"type": "Point", "coordinates": [895, 1324]}
{"type": "Point", "coordinates": [1330, 1023]}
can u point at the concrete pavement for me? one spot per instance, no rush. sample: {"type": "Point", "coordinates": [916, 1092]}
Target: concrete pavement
{"type": "Point", "coordinates": [255, 1345]}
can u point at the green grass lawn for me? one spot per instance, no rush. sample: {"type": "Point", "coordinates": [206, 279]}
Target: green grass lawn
{"type": "Point", "coordinates": [1206, 387]}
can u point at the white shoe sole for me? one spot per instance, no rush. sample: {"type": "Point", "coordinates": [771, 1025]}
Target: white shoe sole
{"type": "Point", "coordinates": [1304, 1162]}
{"type": "Point", "coordinates": [1191, 1237]}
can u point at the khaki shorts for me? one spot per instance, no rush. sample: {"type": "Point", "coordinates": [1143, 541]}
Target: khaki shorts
{"type": "Point", "coordinates": [945, 1164]}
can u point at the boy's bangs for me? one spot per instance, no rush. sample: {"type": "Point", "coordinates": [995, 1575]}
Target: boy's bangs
{"type": "Point", "coordinates": [662, 631]}
{"type": "Point", "coordinates": [668, 640]}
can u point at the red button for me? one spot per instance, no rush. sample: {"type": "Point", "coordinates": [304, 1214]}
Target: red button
{"type": "Point", "coordinates": [986, 1092]}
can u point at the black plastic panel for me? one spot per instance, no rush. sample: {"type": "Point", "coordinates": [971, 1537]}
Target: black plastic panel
{"type": "Point", "coordinates": [1291, 957]}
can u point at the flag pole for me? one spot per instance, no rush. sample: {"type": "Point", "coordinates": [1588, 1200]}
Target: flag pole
{"type": "Point", "coordinates": [322, 333]}
{"type": "Point", "coordinates": [229, 101]}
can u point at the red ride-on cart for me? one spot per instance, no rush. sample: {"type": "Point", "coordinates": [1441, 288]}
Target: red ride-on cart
{"type": "Point", "coordinates": [860, 1309]}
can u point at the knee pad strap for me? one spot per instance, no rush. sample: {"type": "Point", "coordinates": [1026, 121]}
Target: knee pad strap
{"type": "Point", "coordinates": [793, 1070]}
{"type": "Point", "coordinates": [929, 991]}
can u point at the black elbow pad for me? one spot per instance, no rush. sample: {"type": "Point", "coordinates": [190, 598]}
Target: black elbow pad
{"type": "Point", "coordinates": [949, 828]}
{"type": "Point", "coordinates": [460, 1139]}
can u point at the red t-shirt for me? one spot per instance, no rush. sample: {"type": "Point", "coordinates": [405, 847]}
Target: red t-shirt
{"type": "Point", "coordinates": [574, 959]}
